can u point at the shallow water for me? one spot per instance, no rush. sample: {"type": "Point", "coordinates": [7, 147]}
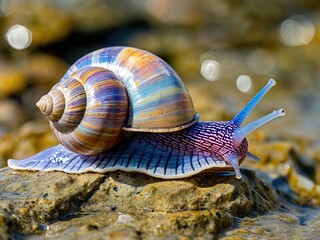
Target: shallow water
{"type": "Point", "coordinates": [289, 221]}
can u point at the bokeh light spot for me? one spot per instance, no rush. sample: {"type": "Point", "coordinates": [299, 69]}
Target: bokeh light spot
{"type": "Point", "coordinates": [244, 83]}
{"type": "Point", "coordinates": [296, 31]}
{"type": "Point", "coordinates": [6, 7]}
{"type": "Point", "coordinates": [261, 61]}
{"type": "Point", "coordinates": [210, 70]}
{"type": "Point", "coordinates": [19, 37]}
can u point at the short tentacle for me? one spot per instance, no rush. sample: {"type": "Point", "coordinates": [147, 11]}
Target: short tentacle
{"type": "Point", "coordinates": [252, 156]}
{"type": "Point", "coordinates": [233, 160]}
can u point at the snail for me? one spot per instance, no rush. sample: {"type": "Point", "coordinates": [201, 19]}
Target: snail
{"type": "Point", "coordinates": [122, 108]}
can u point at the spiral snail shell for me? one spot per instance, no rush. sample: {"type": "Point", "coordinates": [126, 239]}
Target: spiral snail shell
{"type": "Point", "coordinates": [111, 92]}
{"type": "Point", "coordinates": [89, 107]}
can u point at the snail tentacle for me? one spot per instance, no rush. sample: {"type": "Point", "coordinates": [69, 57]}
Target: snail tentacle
{"type": "Point", "coordinates": [244, 113]}
{"type": "Point", "coordinates": [233, 160]}
{"type": "Point", "coordinates": [242, 132]}
{"type": "Point", "coordinates": [253, 157]}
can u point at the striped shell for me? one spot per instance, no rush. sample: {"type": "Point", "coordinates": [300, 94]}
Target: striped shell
{"type": "Point", "coordinates": [116, 89]}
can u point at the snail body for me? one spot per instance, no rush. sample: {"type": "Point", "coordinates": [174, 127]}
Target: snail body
{"type": "Point", "coordinates": [123, 108]}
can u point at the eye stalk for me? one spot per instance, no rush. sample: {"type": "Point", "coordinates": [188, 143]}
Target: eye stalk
{"type": "Point", "coordinates": [241, 132]}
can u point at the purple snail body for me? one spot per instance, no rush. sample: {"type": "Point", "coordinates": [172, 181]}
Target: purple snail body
{"type": "Point", "coordinates": [123, 108]}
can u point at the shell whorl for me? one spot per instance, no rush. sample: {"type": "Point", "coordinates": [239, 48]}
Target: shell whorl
{"type": "Point", "coordinates": [159, 100]}
{"type": "Point", "coordinates": [68, 105]}
{"type": "Point", "coordinates": [95, 109]}
{"type": "Point", "coordinates": [45, 104]}
{"type": "Point", "coordinates": [52, 105]}
{"type": "Point", "coordinates": [145, 95]}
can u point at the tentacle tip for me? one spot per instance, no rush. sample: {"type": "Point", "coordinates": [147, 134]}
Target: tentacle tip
{"type": "Point", "coordinates": [272, 82]}
{"type": "Point", "coordinates": [232, 159]}
{"type": "Point", "coordinates": [238, 176]}
{"type": "Point", "coordinates": [237, 171]}
{"type": "Point", "coordinates": [281, 112]}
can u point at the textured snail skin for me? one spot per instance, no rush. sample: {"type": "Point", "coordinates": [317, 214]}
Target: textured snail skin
{"type": "Point", "coordinates": [169, 155]}
{"type": "Point", "coordinates": [165, 146]}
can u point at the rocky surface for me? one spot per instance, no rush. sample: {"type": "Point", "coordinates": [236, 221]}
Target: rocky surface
{"type": "Point", "coordinates": [69, 206]}
{"type": "Point", "coordinates": [276, 199]}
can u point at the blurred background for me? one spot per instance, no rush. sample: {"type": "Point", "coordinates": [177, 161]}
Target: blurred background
{"type": "Point", "coordinates": [224, 51]}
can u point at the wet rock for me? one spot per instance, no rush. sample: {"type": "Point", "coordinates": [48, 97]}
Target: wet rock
{"type": "Point", "coordinates": [187, 223]}
{"type": "Point", "coordinates": [271, 226]}
{"type": "Point", "coordinates": [316, 158]}
{"type": "Point", "coordinates": [144, 225]}
{"type": "Point", "coordinates": [128, 205]}
{"type": "Point", "coordinates": [4, 233]}
{"type": "Point", "coordinates": [276, 157]}
{"type": "Point", "coordinates": [312, 231]}
{"type": "Point", "coordinates": [282, 159]}
{"type": "Point", "coordinates": [33, 198]}
{"type": "Point", "coordinates": [206, 191]}
{"type": "Point", "coordinates": [306, 189]}
{"type": "Point", "coordinates": [299, 224]}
